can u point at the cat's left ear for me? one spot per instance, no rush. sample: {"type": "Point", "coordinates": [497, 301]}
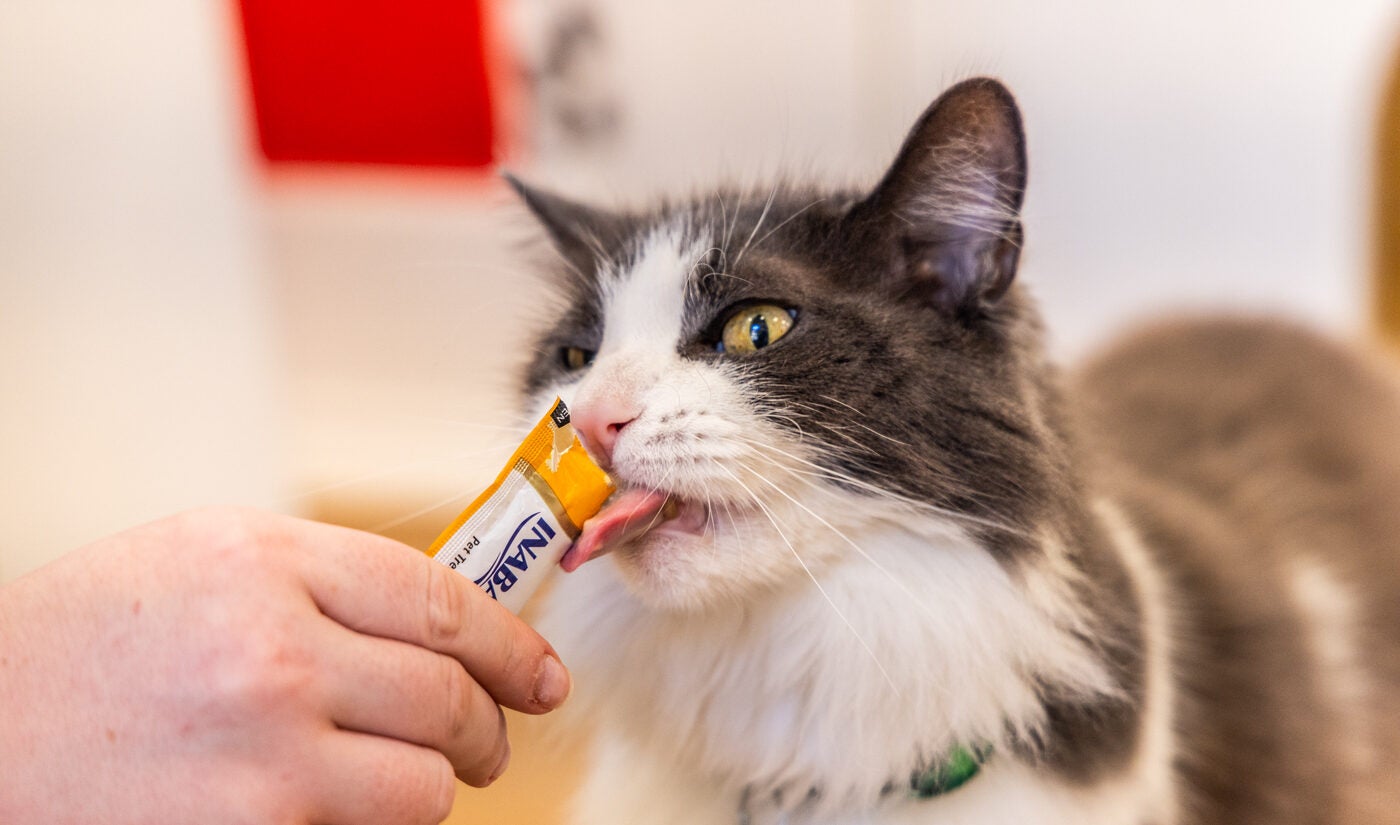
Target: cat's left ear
{"type": "Point", "coordinates": [582, 234]}
{"type": "Point", "coordinates": [946, 217]}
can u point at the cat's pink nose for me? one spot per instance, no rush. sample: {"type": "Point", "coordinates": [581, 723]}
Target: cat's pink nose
{"type": "Point", "coordinates": [599, 424]}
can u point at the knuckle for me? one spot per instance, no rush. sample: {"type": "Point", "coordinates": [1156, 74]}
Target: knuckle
{"type": "Point", "coordinates": [491, 750]}
{"type": "Point", "coordinates": [518, 657]}
{"type": "Point", "coordinates": [439, 802]}
{"type": "Point", "coordinates": [263, 672]}
{"type": "Point", "coordinates": [447, 606]}
{"type": "Point", "coordinates": [522, 659]}
{"type": "Point", "coordinates": [230, 537]}
{"type": "Point", "coordinates": [420, 791]}
{"type": "Point", "coordinates": [460, 705]}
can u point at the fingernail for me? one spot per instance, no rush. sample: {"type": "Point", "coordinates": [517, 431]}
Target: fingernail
{"type": "Point", "coordinates": [552, 684]}
{"type": "Point", "coordinates": [500, 767]}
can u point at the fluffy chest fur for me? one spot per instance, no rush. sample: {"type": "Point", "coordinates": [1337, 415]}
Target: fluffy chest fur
{"type": "Point", "coordinates": [817, 701]}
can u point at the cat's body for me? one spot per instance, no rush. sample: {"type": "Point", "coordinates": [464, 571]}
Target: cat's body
{"type": "Point", "coordinates": [1262, 466]}
{"type": "Point", "coordinates": [1168, 595]}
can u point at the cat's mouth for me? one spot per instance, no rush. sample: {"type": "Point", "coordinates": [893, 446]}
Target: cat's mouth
{"type": "Point", "coordinates": [628, 515]}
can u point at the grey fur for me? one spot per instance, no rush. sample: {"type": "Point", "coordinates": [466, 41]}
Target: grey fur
{"type": "Point", "coordinates": [1238, 444]}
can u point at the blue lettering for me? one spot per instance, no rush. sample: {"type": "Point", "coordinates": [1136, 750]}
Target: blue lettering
{"type": "Point", "coordinates": [504, 578]}
{"type": "Point", "coordinates": [543, 533]}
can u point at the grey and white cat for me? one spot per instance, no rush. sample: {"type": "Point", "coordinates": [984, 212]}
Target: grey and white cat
{"type": "Point", "coordinates": [875, 561]}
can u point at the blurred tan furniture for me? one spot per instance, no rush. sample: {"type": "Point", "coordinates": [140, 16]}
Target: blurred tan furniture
{"type": "Point", "coordinates": [1387, 226]}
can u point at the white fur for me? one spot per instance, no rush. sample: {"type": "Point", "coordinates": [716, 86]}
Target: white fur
{"type": "Point", "coordinates": [965, 192]}
{"type": "Point", "coordinates": [780, 692]}
{"type": "Point", "coordinates": [1330, 612]}
{"type": "Point", "coordinates": [1149, 784]}
{"type": "Point", "coordinates": [644, 306]}
{"type": "Point", "coordinates": [812, 637]}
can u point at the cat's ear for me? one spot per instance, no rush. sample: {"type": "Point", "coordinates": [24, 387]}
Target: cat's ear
{"type": "Point", "coordinates": [947, 213]}
{"type": "Point", "coordinates": [583, 234]}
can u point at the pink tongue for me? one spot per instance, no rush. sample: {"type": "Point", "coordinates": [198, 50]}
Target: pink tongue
{"type": "Point", "coordinates": [627, 515]}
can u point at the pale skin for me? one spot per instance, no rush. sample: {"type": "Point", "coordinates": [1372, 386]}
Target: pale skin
{"type": "Point", "coordinates": [231, 666]}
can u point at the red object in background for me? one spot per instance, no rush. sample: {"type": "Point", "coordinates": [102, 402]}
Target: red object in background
{"type": "Point", "coordinates": [370, 82]}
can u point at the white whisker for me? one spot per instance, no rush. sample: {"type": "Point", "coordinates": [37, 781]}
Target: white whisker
{"type": "Point", "coordinates": [786, 220]}
{"type": "Point", "coordinates": [842, 616]}
{"type": "Point", "coordinates": [729, 226]}
{"type": "Point", "coordinates": [766, 206]}
{"type": "Point", "coordinates": [392, 523]}
{"type": "Point", "coordinates": [842, 403]}
{"type": "Point", "coordinates": [918, 603]}
{"type": "Point", "coordinates": [294, 498]}
{"type": "Point", "coordinates": [880, 492]}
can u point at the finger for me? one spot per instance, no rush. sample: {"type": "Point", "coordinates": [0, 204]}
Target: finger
{"type": "Point", "coordinates": [377, 586]}
{"type": "Point", "coordinates": [370, 780]}
{"type": "Point", "coordinates": [397, 690]}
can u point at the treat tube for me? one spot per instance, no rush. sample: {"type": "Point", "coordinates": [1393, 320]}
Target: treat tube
{"type": "Point", "coordinates": [515, 532]}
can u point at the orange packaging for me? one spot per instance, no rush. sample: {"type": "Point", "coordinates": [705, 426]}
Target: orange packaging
{"type": "Point", "coordinates": [515, 532]}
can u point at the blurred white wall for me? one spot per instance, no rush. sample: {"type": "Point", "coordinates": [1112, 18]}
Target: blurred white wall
{"type": "Point", "coordinates": [403, 298]}
{"type": "Point", "coordinates": [178, 325]}
{"type": "Point", "coordinates": [136, 362]}
{"type": "Point", "coordinates": [1187, 155]}
{"type": "Point", "coordinates": [1182, 154]}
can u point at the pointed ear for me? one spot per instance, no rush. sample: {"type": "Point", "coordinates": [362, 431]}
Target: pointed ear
{"type": "Point", "coordinates": [582, 234]}
{"type": "Point", "coordinates": [947, 213]}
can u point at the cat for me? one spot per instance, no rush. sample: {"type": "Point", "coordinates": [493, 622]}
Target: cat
{"type": "Point", "coordinates": [875, 560]}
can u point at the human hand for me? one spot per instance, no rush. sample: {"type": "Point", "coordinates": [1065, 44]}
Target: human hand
{"type": "Point", "coordinates": [229, 666]}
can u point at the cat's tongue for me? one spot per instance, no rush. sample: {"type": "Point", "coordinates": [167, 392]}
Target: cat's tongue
{"type": "Point", "coordinates": [627, 515]}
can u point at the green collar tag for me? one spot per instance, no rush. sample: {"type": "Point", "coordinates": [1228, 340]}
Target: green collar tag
{"type": "Point", "coordinates": [955, 770]}
{"type": "Point", "coordinates": [959, 766]}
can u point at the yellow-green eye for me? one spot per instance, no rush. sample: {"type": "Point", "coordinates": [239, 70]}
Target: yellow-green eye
{"type": "Point", "coordinates": [754, 327]}
{"type": "Point", "coordinates": [576, 358]}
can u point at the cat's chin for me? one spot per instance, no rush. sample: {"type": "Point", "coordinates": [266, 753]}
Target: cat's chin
{"type": "Point", "coordinates": [669, 560]}
{"type": "Point", "coordinates": [687, 555]}
{"type": "Point", "coordinates": [672, 570]}
{"type": "Point", "coordinates": [679, 567]}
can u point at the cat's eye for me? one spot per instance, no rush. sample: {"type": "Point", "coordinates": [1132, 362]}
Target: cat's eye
{"type": "Point", "coordinates": [576, 358]}
{"type": "Point", "coordinates": [754, 327]}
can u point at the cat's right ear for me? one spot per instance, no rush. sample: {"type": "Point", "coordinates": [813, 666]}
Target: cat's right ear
{"type": "Point", "coordinates": [582, 234]}
{"type": "Point", "coordinates": [944, 223]}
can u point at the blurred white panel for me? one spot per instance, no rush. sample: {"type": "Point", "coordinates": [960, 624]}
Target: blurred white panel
{"type": "Point", "coordinates": [408, 303]}
{"type": "Point", "coordinates": [134, 328]}
{"type": "Point", "coordinates": [729, 90]}
{"type": "Point", "coordinates": [1195, 155]}
{"type": "Point", "coordinates": [1183, 155]}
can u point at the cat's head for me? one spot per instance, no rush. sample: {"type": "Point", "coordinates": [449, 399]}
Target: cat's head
{"type": "Point", "coordinates": [788, 365]}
